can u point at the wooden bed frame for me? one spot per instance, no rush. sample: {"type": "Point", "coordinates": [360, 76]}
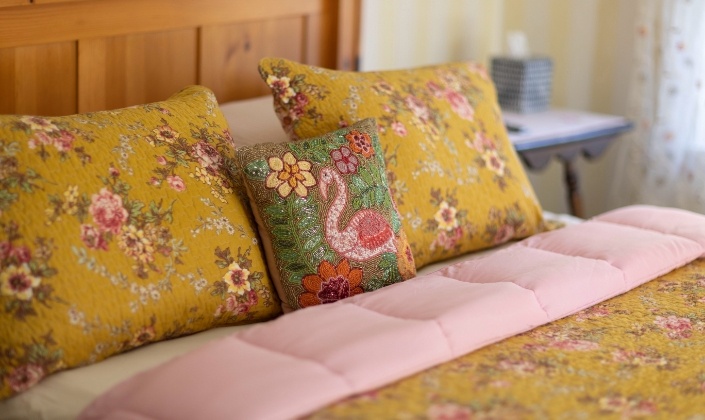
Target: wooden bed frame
{"type": "Point", "coordinates": [60, 57]}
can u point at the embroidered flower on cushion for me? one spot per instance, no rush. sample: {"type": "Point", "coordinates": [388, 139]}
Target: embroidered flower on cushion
{"type": "Point", "coordinates": [18, 281]}
{"type": "Point", "coordinates": [344, 160]}
{"type": "Point", "coordinates": [331, 283]}
{"type": "Point", "coordinates": [236, 279]}
{"type": "Point", "coordinates": [360, 143]}
{"type": "Point", "coordinates": [289, 174]}
{"type": "Point", "coordinates": [108, 211]}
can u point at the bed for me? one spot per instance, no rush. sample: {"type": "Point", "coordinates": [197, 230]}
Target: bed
{"type": "Point", "coordinates": [513, 313]}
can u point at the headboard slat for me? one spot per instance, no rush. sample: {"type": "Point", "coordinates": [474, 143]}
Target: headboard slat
{"type": "Point", "coordinates": [39, 79]}
{"type": "Point", "coordinates": [44, 23]}
{"type": "Point", "coordinates": [230, 54]}
{"type": "Point", "coordinates": [135, 69]}
{"type": "Point", "coordinates": [77, 56]}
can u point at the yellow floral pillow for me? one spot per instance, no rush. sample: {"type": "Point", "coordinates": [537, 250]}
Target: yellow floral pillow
{"type": "Point", "coordinates": [452, 170]}
{"type": "Point", "coordinates": [326, 218]}
{"type": "Point", "coordinates": [117, 229]}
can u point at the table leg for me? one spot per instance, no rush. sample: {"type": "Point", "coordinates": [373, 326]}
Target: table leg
{"type": "Point", "coordinates": [575, 201]}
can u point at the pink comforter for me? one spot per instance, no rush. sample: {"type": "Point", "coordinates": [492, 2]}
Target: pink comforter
{"type": "Point", "coordinates": [313, 357]}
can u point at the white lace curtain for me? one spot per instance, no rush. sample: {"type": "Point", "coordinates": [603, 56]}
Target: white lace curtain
{"type": "Point", "coordinates": [663, 159]}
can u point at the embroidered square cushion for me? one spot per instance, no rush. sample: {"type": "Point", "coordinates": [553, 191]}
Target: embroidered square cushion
{"type": "Point", "coordinates": [453, 172]}
{"type": "Point", "coordinates": [326, 217]}
{"type": "Point", "coordinates": [117, 229]}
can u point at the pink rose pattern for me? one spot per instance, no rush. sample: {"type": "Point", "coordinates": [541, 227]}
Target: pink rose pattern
{"type": "Point", "coordinates": [176, 183]}
{"type": "Point", "coordinates": [36, 360]}
{"type": "Point", "coordinates": [108, 212]}
{"type": "Point", "coordinates": [586, 364]}
{"type": "Point", "coordinates": [344, 160]}
{"type": "Point", "coordinates": [207, 156]}
{"type": "Point", "coordinates": [25, 376]}
{"type": "Point", "coordinates": [504, 224]}
{"type": "Point", "coordinates": [204, 153]}
{"type": "Point", "coordinates": [293, 96]}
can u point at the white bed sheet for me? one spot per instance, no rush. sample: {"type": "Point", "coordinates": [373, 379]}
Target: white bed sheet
{"type": "Point", "coordinates": [253, 121]}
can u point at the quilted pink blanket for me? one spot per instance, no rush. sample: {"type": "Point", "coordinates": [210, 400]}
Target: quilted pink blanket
{"type": "Point", "coordinates": [313, 357]}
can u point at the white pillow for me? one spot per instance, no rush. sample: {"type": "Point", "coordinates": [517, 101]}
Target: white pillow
{"type": "Point", "coordinates": [253, 121]}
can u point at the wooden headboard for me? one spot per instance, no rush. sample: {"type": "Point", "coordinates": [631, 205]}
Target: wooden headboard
{"type": "Point", "coordinates": [60, 57]}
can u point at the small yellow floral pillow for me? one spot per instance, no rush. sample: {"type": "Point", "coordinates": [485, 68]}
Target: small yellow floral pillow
{"type": "Point", "coordinates": [326, 218]}
{"type": "Point", "coordinates": [117, 229]}
{"type": "Point", "coordinates": [451, 168]}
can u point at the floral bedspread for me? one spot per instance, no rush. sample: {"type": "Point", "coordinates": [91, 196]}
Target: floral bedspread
{"type": "Point", "coordinates": [638, 355]}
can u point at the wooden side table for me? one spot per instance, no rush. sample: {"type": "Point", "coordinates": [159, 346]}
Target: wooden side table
{"type": "Point", "coordinates": [565, 134]}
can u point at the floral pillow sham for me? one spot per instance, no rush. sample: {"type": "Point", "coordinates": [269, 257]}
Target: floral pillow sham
{"type": "Point", "coordinates": [117, 229]}
{"type": "Point", "coordinates": [450, 166]}
{"type": "Point", "coordinates": [326, 218]}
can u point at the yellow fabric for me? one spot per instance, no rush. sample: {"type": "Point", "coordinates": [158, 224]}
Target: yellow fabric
{"type": "Point", "coordinates": [117, 229]}
{"type": "Point", "coordinates": [638, 355]}
{"type": "Point", "coordinates": [453, 173]}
